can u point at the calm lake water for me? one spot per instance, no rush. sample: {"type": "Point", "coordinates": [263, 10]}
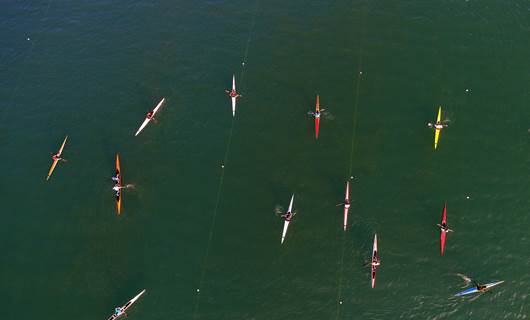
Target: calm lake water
{"type": "Point", "coordinates": [92, 69]}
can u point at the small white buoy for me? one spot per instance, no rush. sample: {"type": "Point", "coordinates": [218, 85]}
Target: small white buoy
{"type": "Point", "coordinates": [242, 63]}
{"type": "Point", "coordinates": [198, 290]}
{"type": "Point", "coordinates": [340, 302]}
{"type": "Point", "coordinates": [351, 177]}
{"type": "Point", "coordinates": [28, 39]}
{"type": "Point", "coordinates": [467, 90]}
{"type": "Point", "coordinates": [360, 72]}
{"type": "Point", "coordinates": [467, 197]}
{"type": "Point", "coordinates": [222, 166]}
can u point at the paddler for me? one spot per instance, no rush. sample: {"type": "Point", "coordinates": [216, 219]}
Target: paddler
{"type": "Point", "coordinates": [375, 260]}
{"type": "Point", "coordinates": [116, 178]}
{"type": "Point", "coordinates": [316, 114]}
{"type": "Point", "coordinates": [437, 125]}
{"type": "Point", "coordinates": [232, 93]}
{"type": "Point", "coordinates": [117, 187]}
{"type": "Point", "coordinates": [57, 157]}
{"type": "Point", "coordinates": [150, 115]}
{"type": "Point", "coordinates": [444, 228]}
{"type": "Point", "coordinates": [346, 204]}
{"type": "Point", "coordinates": [480, 287]}
{"type": "Point", "coordinates": [287, 217]}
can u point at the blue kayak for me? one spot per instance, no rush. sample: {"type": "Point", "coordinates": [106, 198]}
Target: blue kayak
{"type": "Point", "coordinates": [474, 289]}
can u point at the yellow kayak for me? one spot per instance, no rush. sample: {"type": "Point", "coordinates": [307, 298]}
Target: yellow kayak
{"type": "Point", "coordinates": [55, 161]}
{"type": "Point", "coordinates": [436, 130]}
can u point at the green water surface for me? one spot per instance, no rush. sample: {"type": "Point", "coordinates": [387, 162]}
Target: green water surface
{"type": "Point", "coordinates": [92, 69]}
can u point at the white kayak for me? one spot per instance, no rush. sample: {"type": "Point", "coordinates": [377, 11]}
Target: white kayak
{"type": "Point", "coordinates": [121, 312]}
{"type": "Point", "coordinates": [147, 120]}
{"type": "Point", "coordinates": [475, 289]}
{"type": "Point", "coordinates": [286, 223]}
{"type": "Point", "coordinates": [346, 204]}
{"type": "Point", "coordinates": [234, 98]}
{"type": "Point", "coordinates": [375, 256]}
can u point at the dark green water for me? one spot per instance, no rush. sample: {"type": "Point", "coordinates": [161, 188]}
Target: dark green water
{"type": "Point", "coordinates": [92, 69]}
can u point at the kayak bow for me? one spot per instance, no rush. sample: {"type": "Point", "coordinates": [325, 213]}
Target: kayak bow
{"type": "Point", "coordinates": [436, 130]}
{"type": "Point", "coordinates": [56, 161]}
{"type": "Point", "coordinates": [346, 204]}
{"type": "Point", "coordinates": [147, 120]}
{"type": "Point", "coordinates": [475, 290]}
{"type": "Point", "coordinates": [126, 306]}
{"type": "Point", "coordinates": [286, 222]}
{"type": "Point", "coordinates": [118, 173]}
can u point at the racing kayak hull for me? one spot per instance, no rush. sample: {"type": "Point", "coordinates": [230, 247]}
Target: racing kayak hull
{"type": "Point", "coordinates": [443, 234]}
{"type": "Point", "coordinates": [317, 118]}
{"type": "Point", "coordinates": [147, 120]}
{"type": "Point", "coordinates": [234, 98]}
{"type": "Point", "coordinates": [475, 290]}
{"type": "Point", "coordinates": [284, 233]}
{"type": "Point", "coordinates": [286, 222]}
{"type": "Point", "coordinates": [374, 255]}
{"type": "Point", "coordinates": [118, 173]}
{"type": "Point", "coordinates": [346, 205]}
{"type": "Point", "coordinates": [54, 164]}
{"type": "Point", "coordinates": [126, 306]}
{"type": "Point", "coordinates": [52, 168]}
{"type": "Point", "coordinates": [437, 131]}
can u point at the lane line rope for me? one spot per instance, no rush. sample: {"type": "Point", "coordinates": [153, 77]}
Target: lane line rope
{"type": "Point", "coordinates": [221, 180]}
{"type": "Point", "coordinates": [350, 168]}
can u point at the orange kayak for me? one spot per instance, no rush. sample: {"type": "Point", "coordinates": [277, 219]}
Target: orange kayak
{"type": "Point", "coordinates": [118, 173]}
{"type": "Point", "coordinates": [56, 161]}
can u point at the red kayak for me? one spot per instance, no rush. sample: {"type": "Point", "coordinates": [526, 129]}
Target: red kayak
{"type": "Point", "coordinates": [317, 117]}
{"type": "Point", "coordinates": [443, 230]}
{"type": "Point", "coordinates": [442, 233]}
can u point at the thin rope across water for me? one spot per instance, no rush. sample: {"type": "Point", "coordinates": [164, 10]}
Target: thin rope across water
{"type": "Point", "coordinates": [221, 179]}
{"type": "Point", "coordinates": [352, 152]}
